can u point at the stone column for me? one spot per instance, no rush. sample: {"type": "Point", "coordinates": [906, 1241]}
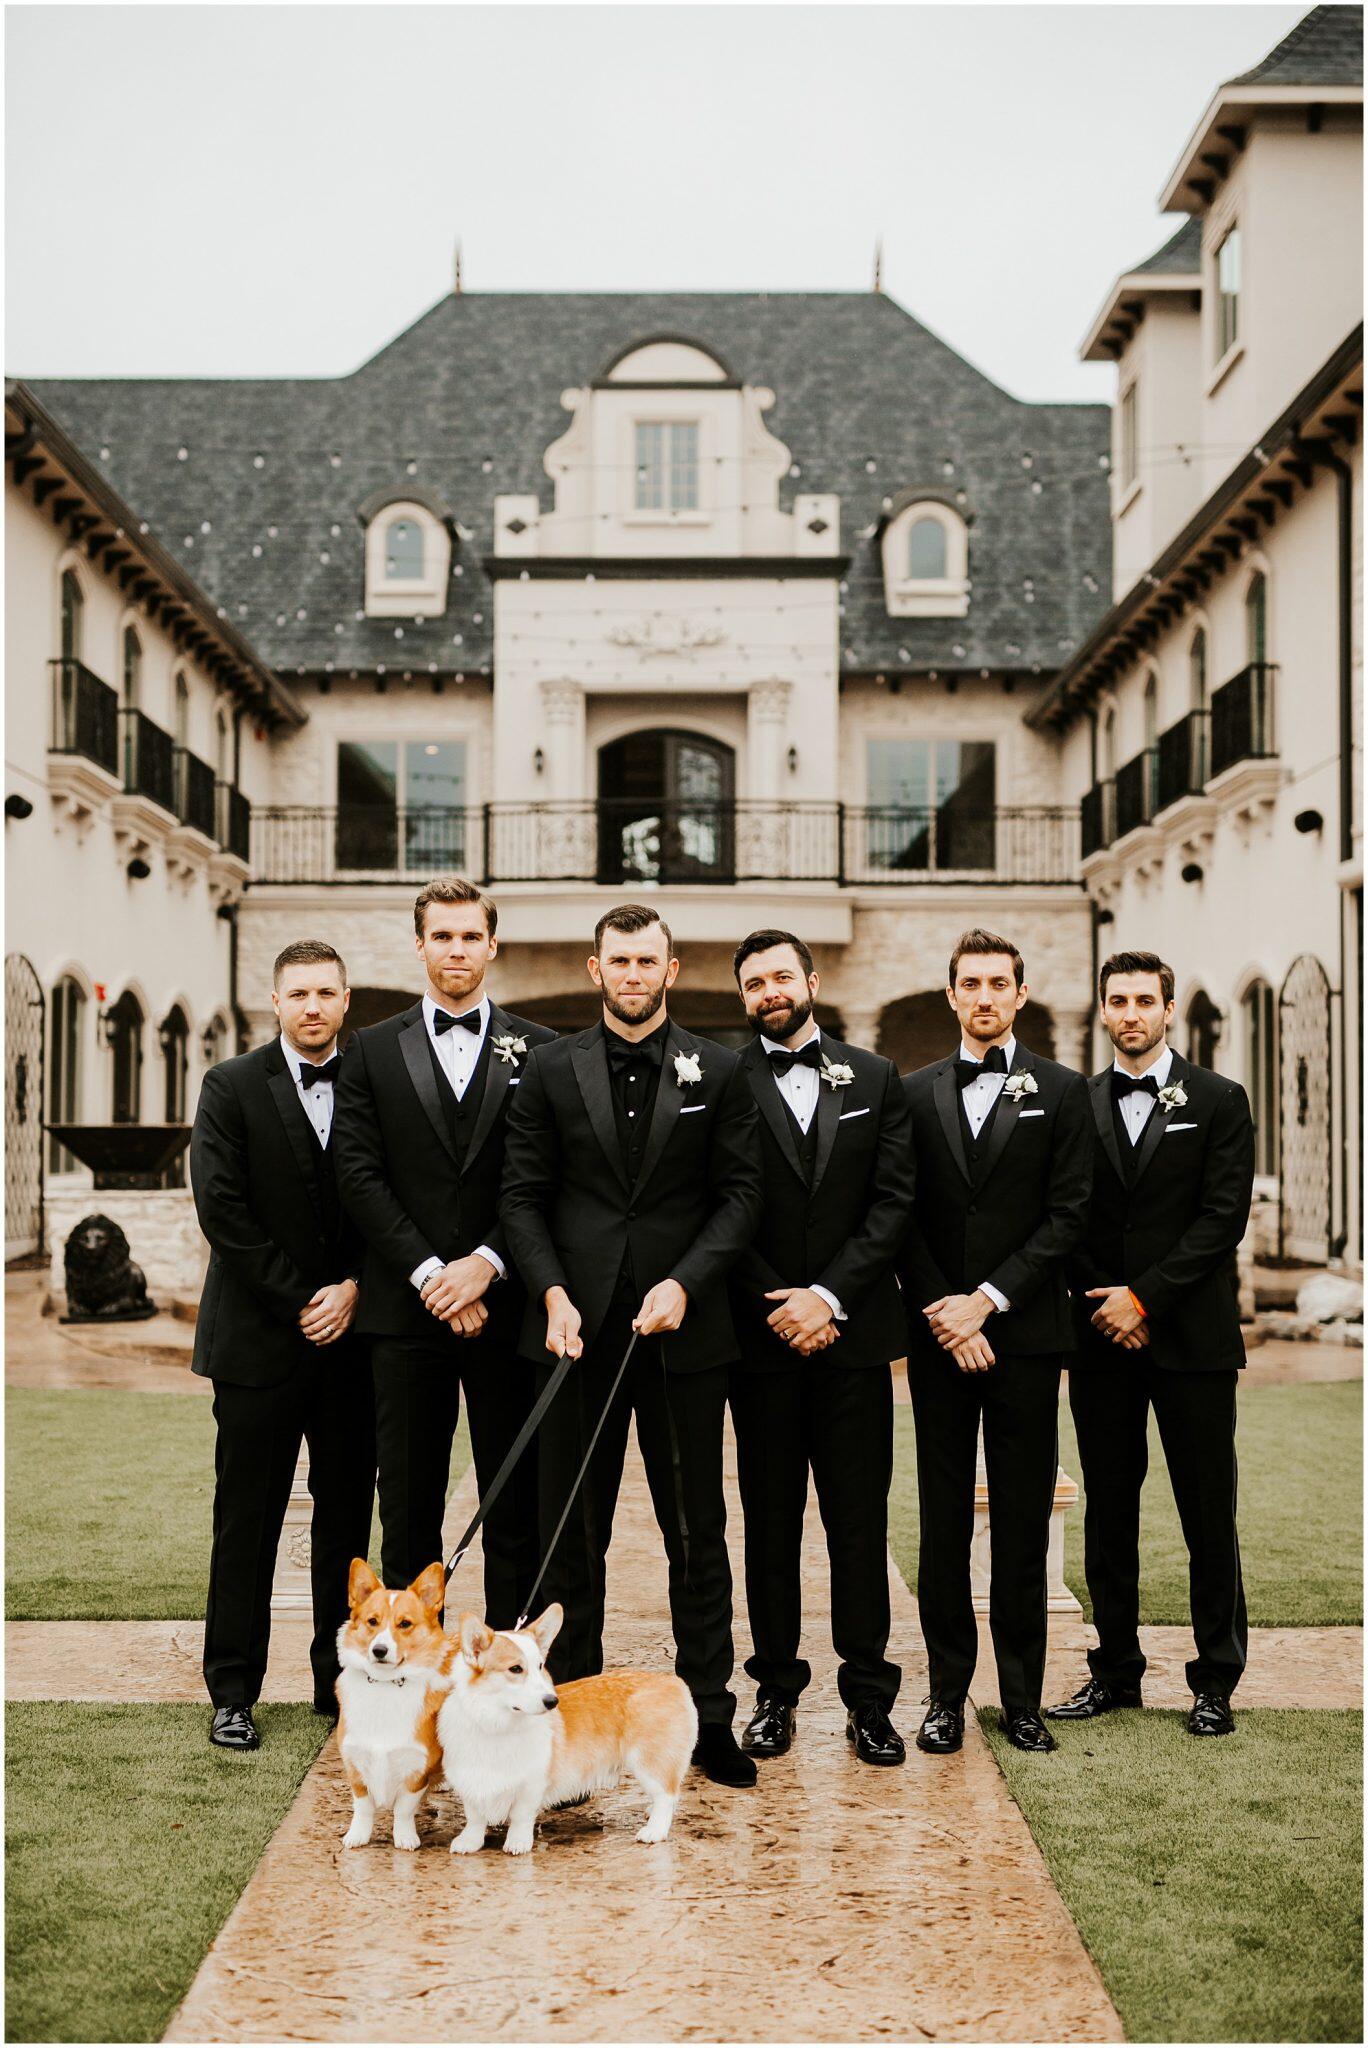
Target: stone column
{"type": "Point", "coordinates": [766, 726]}
{"type": "Point", "coordinates": [561, 741]}
{"type": "Point", "coordinates": [1073, 1038]}
{"type": "Point", "coordinates": [860, 1025]}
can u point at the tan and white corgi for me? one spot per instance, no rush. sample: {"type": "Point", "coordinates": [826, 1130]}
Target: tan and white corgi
{"type": "Point", "coordinates": [396, 1662]}
{"type": "Point", "coordinates": [513, 1743]}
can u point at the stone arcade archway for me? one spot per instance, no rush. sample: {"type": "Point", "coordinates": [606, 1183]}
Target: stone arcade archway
{"type": "Point", "coordinates": [916, 1030]}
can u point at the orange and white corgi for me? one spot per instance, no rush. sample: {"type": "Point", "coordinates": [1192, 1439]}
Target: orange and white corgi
{"type": "Point", "coordinates": [396, 1663]}
{"type": "Point", "coordinates": [513, 1743]}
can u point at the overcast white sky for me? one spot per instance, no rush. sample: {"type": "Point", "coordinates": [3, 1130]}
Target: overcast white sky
{"type": "Point", "coordinates": [248, 191]}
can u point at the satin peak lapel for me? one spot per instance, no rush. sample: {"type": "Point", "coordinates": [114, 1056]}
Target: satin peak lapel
{"type": "Point", "coordinates": [770, 1104]}
{"type": "Point", "coordinates": [1100, 1090]}
{"type": "Point", "coordinates": [1157, 1120]}
{"type": "Point", "coordinates": [945, 1094]}
{"type": "Point", "coordinates": [413, 1044]}
{"type": "Point", "coordinates": [670, 1099]}
{"type": "Point", "coordinates": [590, 1064]}
{"type": "Point", "coordinates": [300, 1132]}
{"type": "Point", "coordinates": [828, 1115]}
{"type": "Point", "coordinates": [1004, 1123]}
{"type": "Point", "coordinates": [498, 1073]}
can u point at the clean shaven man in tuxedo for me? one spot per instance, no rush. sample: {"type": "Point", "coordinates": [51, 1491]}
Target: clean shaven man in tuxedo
{"type": "Point", "coordinates": [1157, 1306]}
{"type": "Point", "coordinates": [1003, 1142]}
{"type": "Point", "coordinates": [632, 1187]}
{"type": "Point", "coordinates": [276, 1336]}
{"type": "Point", "coordinates": [422, 1107]}
{"type": "Point", "coordinates": [819, 1321]}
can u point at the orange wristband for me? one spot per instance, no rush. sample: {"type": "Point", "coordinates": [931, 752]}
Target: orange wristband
{"type": "Point", "coordinates": [1137, 1304]}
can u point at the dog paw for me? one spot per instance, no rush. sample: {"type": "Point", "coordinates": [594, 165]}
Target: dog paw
{"type": "Point", "coordinates": [653, 1833]}
{"type": "Point", "coordinates": [468, 1843]}
{"type": "Point", "coordinates": [406, 1838]}
{"type": "Point", "coordinates": [517, 1842]}
{"type": "Point", "coordinates": [355, 1837]}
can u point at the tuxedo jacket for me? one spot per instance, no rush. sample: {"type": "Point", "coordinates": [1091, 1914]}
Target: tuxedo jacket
{"type": "Point", "coordinates": [268, 1203]}
{"type": "Point", "coordinates": [572, 1217]}
{"type": "Point", "coordinates": [1169, 1229]}
{"type": "Point", "coordinates": [408, 1187]}
{"type": "Point", "coordinates": [841, 1227]}
{"type": "Point", "coordinates": [1014, 1219]}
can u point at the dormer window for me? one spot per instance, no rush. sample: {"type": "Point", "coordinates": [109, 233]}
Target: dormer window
{"type": "Point", "coordinates": [408, 554]}
{"type": "Point", "coordinates": [667, 465]}
{"type": "Point", "coordinates": [926, 558]}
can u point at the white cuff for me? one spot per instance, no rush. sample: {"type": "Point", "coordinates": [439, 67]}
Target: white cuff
{"type": "Point", "coordinates": [482, 1251]}
{"type": "Point", "coordinates": [832, 1303]}
{"type": "Point", "coordinates": [999, 1301]}
{"type": "Point", "coordinates": [423, 1272]}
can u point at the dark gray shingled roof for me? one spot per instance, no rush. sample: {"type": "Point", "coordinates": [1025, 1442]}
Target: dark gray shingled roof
{"type": "Point", "coordinates": [466, 401]}
{"type": "Point", "coordinates": [1181, 254]}
{"type": "Point", "coordinates": [1325, 48]}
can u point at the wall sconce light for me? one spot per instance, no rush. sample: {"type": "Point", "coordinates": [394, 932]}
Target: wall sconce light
{"type": "Point", "coordinates": [1305, 821]}
{"type": "Point", "coordinates": [793, 760]}
{"type": "Point", "coordinates": [18, 807]}
{"type": "Point", "coordinates": [1106, 917]}
{"type": "Point", "coordinates": [1192, 872]}
{"type": "Point", "coordinates": [208, 1039]}
{"type": "Point", "coordinates": [109, 1028]}
{"type": "Point", "coordinates": [138, 870]}
{"type": "Point", "coordinates": [539, 762]}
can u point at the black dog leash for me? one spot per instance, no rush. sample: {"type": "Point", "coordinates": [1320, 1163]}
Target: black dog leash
{"type": "Point", "coordinates": [578, 1482]}
{"type": "Point", "coordinates": [520, 1443]}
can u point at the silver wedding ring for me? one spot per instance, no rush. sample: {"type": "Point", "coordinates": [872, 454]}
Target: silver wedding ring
{"type": "Point", "coordinates": [327, 1329]}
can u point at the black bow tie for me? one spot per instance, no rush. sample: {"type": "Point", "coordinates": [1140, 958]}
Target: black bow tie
{"type": "Point", "coordinates": [442, 1020]}
{"type": "Point", "coordinates": [994, 1061]}
{"type": "Point", "coordinates": [309, 1073]}
{"type": "Point", "coordinates": [1126, 1084]}
{"type": "Point", "coordinates": [809, 1055]}
{"type": "Point", "coordinates": [634, 1052]}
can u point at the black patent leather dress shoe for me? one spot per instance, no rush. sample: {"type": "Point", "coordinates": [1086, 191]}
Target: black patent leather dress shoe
{"type": "Point", "coordinates": [769, 1731]}
{"type": "Point", "coordinates": [942, 1730]}
{"type": "Point", "coordinates": [875, 1738]}
{"type": "Point", "coordinates": [1093, 1699]}
{"type": "Point", "coordinates": [1026, 1730]}
{"type": "Point", "coordinates": [234, 1728]}
{"type": "Point", "coordinates": [718, 1755]}
{"type": "Point", "coordinates": [1211, 1715]}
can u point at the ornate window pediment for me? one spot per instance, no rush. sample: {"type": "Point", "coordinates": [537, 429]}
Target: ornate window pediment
{"type": "Point", "coordinates": [408, 553]}
{"type": "Point", "coordinates": [925, 548]}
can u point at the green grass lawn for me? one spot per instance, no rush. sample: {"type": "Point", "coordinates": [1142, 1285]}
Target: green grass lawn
{"type": "Point", "coordinates": [1301, 1510]}
{"type": "Point", "coordinates": [109, 1500]}
{"type": "Point", "coordinates": [1218, 1884]}
{"type": "Point", "coordinates": [128, 1842]}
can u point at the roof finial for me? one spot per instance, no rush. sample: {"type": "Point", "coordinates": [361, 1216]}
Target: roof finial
{"type": "Point", "coordinates": [878, 264]}
{"type": "Point", "coordinates": [458, 270]}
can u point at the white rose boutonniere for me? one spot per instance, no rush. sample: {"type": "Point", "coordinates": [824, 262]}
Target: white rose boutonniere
{"type": "Point", "coordinates": [1173, 1097]}
{"type": "Point", "coordinates": [509, 1048]}
{"type": "Point", "coordinates": [836, 1074]}
{"type": "Point", "coordinates": [688, 1069]}
{"type": "Point", "coordinates": [1020, 1084]}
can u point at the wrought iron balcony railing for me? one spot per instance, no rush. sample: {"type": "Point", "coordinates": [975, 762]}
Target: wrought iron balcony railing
{"type": "Point", "coordinates": [614, 842]}
{"type": "Point", "coordinates": [194, 792]}
{"type": "Point", "coordinates": [1097, 818]}
{"type": "Point", "coordinates": [1242, 718]}
{"type": "Point", "coordinates": [85, 714]}
{"type": "Point", "coordinates": [1137, 791]}
{"type": "Point", "coordinates": [1183, 753]}
{"type": "Point", "coordinates": [234, 823]}
{"type": "Point", "coordinates": [149, 767]}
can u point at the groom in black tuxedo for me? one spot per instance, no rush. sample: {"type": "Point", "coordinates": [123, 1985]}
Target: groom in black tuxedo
{"type": "Point", "coordinates": [1157, 1304]}
{"type": "Point", "coordinates": [275, 1334]}
{"type": "Point", "coordinates": [1004, 1169]}
{"type": "Point", "coordinates": [631, 1188]}
{"type": "Point", "coordinates": [422, 1104]}
{"type": "Point", "coordinates": [819, 1320]}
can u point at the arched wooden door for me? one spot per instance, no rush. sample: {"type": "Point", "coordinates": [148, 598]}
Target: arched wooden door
{"type": "Point", "coordinates": [665, 809]}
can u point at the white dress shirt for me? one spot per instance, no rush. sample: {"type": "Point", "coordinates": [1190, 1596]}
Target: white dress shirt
{"type": "Point", "coordinates": [458, 1051]}
{"type": "Point", "coordinates": [1139, 1106]}
{"type": "Point", "coordinates": [978, 1099]}
{"type": "Point", "coordinates": [800, 1087]}
{"type": "Point", "coordinates": [318, 1098]}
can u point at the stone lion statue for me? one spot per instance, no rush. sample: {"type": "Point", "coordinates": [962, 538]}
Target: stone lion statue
{"type": "Point", "coordinates": [103, 1284]}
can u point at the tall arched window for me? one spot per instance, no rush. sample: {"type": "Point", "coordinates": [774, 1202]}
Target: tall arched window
{"type": "Point", "coordinates": [222, 758]}
{"type": "Point", "coordinates": [1109, 746]}
{"type": "Point", "coordinates": [1203, 1029]}
{"type": "Point", "coordinates": [403, 551]}
{"type": "Point", "coordinates": [132, 690]}
{"type": "Point", "coordinates": [926, 549]}
{"type": "Point", "coordinates": [182, 712]}
{"type": "Point", "coordinates": [73, 620]}
{"type": "Point", "coordinates": [1261, 1072]}
{"type": "Point", "coordinates": [126, 1043]}
{"type": "Point", "coordinates": [1197, 699]}
{"type": "Point", "coordinates": [174, 1039]}
{"type": "Point", "coordinates": [1256, 649]}
{"type": "Point", "coordinates": [1256, 618]}
{"type": "Point", "coordinates": [66, 1032]}
{"type": "Point", "coordinates": [1151, 744]}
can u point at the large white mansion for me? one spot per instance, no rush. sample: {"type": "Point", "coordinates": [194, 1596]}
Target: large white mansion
{"type": "Point", "coordinates": [763, 608]}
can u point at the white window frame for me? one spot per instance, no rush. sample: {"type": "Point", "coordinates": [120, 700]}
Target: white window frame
{"type": "Point", "coordinates": [409, 596]}
{"type": "Point", "coordinates": [400, 738]}
{"type": "Point", "coordinates": [668, 416]}
{"type": "Point", "coordinates": [926, 597]}
{"type": "Point", "coordinates": [1128, 438]}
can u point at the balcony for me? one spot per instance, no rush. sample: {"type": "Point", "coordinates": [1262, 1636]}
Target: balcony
{"type": "Point", "coordinates": [194, 790]}
{"type": "Point", "coordinates": [1097, 819]}
{"type": "Point", "coordinates": [83, 760]}
{"type": "Point", "coordinates": [628, 843]}
{"type": "Point", "coordinates": [233, 828]}
{"type": "Point", "coordinates": [1184, 750]}
{"type": "Point", "coordinates": [1242, 718]}
{"type": "Point", "coordinates": [1136, 791]}
{"type": "Point", "coordinates": [149, 767]}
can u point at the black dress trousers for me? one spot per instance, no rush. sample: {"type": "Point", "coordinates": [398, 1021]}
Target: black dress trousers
{"type": "Point", "coordinates": [326, 1404]}
{"type": "Point", "coordinates": [1018, 1399]}
{"type": "Point", "coordinates": [679, 1419]}
{"type": "Point", "coordinates": [838, 1420]}
{"type": "Point", "coordinates": [1195, 1412]}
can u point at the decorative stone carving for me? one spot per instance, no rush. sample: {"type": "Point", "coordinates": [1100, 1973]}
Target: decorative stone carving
{"type": "Point", "coordinates": [102, 1283]}
{"type": "Point", "coordinates": [655, 638]}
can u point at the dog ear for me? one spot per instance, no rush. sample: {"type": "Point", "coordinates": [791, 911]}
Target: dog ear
{"type": "Point", "coordinates": [547, 1626]}
{"type": "Point", "coordinates": [475, 1637]}
{"type": "Point", "coordinates": [361, 1583]}
{"type": "Point", "coordinates": [429, 1588]}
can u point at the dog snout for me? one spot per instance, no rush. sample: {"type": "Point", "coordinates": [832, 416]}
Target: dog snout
{"type": "Point", "coordinates": [550, 1700]}
{"type": "Point", "coordinates": [380, 1651]}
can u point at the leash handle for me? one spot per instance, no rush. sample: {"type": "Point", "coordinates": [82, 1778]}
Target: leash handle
{"type": "Point", "coordinates": [578, 1481]}
{"type": "Point", "coordinates": [519, 1445]}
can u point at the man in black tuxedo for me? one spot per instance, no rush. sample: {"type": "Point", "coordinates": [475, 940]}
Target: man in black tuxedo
{"type": "Point", "coordinates": [1004, 1170]}
{"type": "Point", "coordinates": [1157, 1306]}
{"type": "Point", "coordinates": [422, 1105]}
{"type": "Point", "coordinates": [819, 1321]}
{"type": "Point", "coordinates": [632, 1186]}
{"type": "Point", "coordinates": [275, 1334]}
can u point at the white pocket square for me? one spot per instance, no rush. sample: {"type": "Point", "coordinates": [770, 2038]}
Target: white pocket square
{"type": "Point", "coordinates": [693, 1109]}
{"type": "Point", "coordinates": [1029, 1112]}
{"type": "Point", "coordinates": [847, 1114]}
{"type": "Point", "coordinates": [1169, 1129]}
{"type": "Point", "coordinates": [513, 1084]}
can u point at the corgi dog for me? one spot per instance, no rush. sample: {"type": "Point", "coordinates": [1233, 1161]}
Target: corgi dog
{"type": "Point", "coordinates": [396, 1662]}
{"type": "Point", "coordinates": [513, 1743]}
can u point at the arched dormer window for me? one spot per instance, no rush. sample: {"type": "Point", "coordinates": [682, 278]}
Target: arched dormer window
{"type": "Point", "coordinates": [926, 558]}
{"type": "Point", "coordinates": [408, 553]}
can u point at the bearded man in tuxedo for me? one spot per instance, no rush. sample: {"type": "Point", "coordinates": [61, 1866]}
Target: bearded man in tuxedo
{"type": "Point", "coordinates": [422, 1106]}
{"type": "Point", "coordinates": [631, 1188]}
{"type": "Point", "coordinates": [819, 1321]}
{"type": "Point", "coordinates": [275, 1334]}
{"type": "Point", "coordinates": [1157, 1305]}
{"type": "Point", "coordinates": [1004, 1170]}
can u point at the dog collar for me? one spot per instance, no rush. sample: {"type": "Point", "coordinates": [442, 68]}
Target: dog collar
{"type": "Point", "coordinates": [371, 1679]}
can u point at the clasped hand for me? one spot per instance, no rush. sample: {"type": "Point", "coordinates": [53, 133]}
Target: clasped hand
{"type": "Point", "coordinates": [455, 1294]}
{"type": "Point", "coordinates": [956, 1323]}
{"type": "Point", "coordinates": [328, 1315]}
{"type": "Point", "coordinates": [804, 1319]}
{"type": "Point", "coordinates": [1117, 1317]}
